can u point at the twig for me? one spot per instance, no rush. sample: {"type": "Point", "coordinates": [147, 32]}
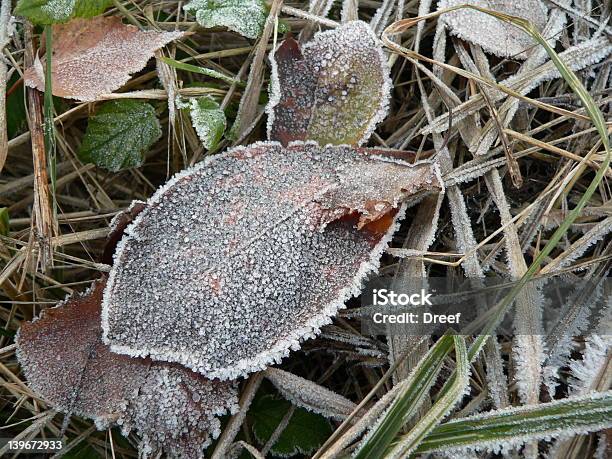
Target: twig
{"type": "Point", "coordinates": [44, 227]}
{"type": "Point", "coordinates": [5, 14]}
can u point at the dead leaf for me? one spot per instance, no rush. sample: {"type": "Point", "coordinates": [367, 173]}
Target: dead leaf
{"type": "Point", "coordinates": [495, 36]}
{"type": "Point", "coordinates": [334, 90]}
{"type": "Point", "coordinates": [66, 363]}
{"type": "Point", "coordinates": [238, 259]}
{"type": "Point", "coordinates": [93, 57]}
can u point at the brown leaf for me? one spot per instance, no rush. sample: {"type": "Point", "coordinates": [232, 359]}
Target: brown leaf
{"type": "Point", "coordinates": [334, 90]}
{"type": "Point", "coordinates": [93, 57]}
{"type": "Point", "coordinates": [238, 259]}
{"type": "Point", "coordinates": [65, 361]}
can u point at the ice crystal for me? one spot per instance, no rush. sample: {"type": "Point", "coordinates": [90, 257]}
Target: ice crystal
{"type": "Point", "coordinates": [247, 17]}
{"type": "Point", "coordinates": [495, 36]}
{"type": "Point", "coordinates": [238, 259]}
{"type": "Point", "coordinates": [65, 362]}
{"type": "Point", "coordinates": [334, 90]}
{"type": "Point", "coordinates": [96, 56]}
{"type": "Point", "coordinates": [595, 358]}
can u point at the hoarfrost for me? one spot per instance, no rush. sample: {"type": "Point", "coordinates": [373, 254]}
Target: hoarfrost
{"type": "Point", "coordinates": [59, 10]}
{"type": "Point", "coordinates": [65, 362]}
{"type": "Point", "coordinates": [594, 360]}
{"type": "Point", "coordinates": [334, 90]}
{"type": "Point", "coordinates": [247, 17]}
{"type": "Point", "coordinates": [238, 259]}
{"type": "Point", "coordinates": [493, 35]}
{"type": "Point", "coordinates": [93, 57]}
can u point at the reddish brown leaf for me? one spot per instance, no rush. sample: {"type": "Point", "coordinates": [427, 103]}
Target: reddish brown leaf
{"type": "Point", "coordinates": [93, 57]}
{"type": "Point", "coordinates": [335, 90]}
{"type": "Point", "coordinates": [64, 360]}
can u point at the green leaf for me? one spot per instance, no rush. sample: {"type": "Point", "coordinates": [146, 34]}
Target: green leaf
{"type": "Point", "coordinates": [247, 17]}
{"type": "Point", "coordinates": [208, 120]}
{"type": "Point", "coordinates": [305, 431]}
{"type": "Point", "coordinates": [56, 11]}
{"type": "Point", "coordinates": [4, 221]}
{"type": "Point", "coordinates": [514, 426]}
{"type": "Point", "coordinates": [119, 134]}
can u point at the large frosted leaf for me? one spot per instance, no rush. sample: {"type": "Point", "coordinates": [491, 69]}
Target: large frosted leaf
{"type": "Point", "coordinates": [95, 57]}
{"type": "Point", "coordinates": [495, 36]}
{"type": "Point", "coordinates": [65, 361]}
{"type": "Point", "coordinates": [237, 260]}
{"type": "Point", "coordinates": [334, 90]}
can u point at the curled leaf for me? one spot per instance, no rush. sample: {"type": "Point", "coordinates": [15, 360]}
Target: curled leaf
{"type": "Point", "coordinates": [66, 363]}
{"type": "Point", "coordinates": [334, 90]}
{"type": "Point", "coordinates": [238, 259]}
{"type": "Point", "coordinates": [494, 35]}
{"type": "Point", "coordinates": [95, 57]}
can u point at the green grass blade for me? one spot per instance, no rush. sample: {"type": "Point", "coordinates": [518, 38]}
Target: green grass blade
{"type": "Point", "coordinates": [49, 119]}
{"type": "Point", "coordinates": [452, 392]}
{"type": "Point", "coordinates": [515, 426]}
{"type": "Point", "coordinates": [408, 401]}
{"type": "Point", "coordinates": [201, 70]}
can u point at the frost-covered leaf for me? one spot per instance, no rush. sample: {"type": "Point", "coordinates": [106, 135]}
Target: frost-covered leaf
{"type": "Point", "coordinates": [208, 120]}
{"type": "Point", "coordinates": [304, 433]}
{"type": "Point", "coordinates": [334, 90]}
{"type": "Point", "coordinates": [66, 363]}
{"type": "Point", "coordinates": [495, 36]}
{"type": "Point", "coordinates": [119, 134]}
{"type": "Point", "coordinates": [238, 259]}
{"type": "Point", "coordinates": [96, 56]}
{"type": "Point", "coordinates": [247, 17]}
{"type": "Point", "coordinates": [54, 11]}
{"type": "Point", "coordinates": [310, 395]}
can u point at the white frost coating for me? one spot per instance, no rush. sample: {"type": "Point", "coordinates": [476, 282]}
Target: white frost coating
{"type": "Point", "coordinates": [246, 17]}
{"type": "Point", "coordinates": [594, 360]}
{"type": "Point", "coordinates": [334, 91]}
{"type": "Point", "coordinates": [229, 267]}
{"type": "Point", "coordinates": [495, 36]}
{"type": "Point", "coordinates": [173, 410]}
{"type": "Point", "coordinates": [309, 395]}
{"type": "Point", "coordinates": [93, 57]}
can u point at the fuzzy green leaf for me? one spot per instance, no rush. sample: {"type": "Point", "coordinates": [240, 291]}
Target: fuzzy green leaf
{"type": "Point", "coordinates": [119, 134]}
{"type": "Point", "coordinates": [56, 11]}
{"type": "Point", "coordinates": [305, 431]}
{"type": "Point", "coordinates": [208, 120]}
{"type": "Point", "coordinates": [247, 17]}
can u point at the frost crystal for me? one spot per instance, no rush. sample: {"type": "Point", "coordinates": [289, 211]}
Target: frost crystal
{"type": "Point", "coordinates": [495, 36]}
{"type": "Point", "coordinates": [238, 259]}
{"type": "Point", "coordinates": [172, 409]}
{"type": "Point", "coordinates": [335, 90]}
{"type": "Point", "coordinates": [93, 57]}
